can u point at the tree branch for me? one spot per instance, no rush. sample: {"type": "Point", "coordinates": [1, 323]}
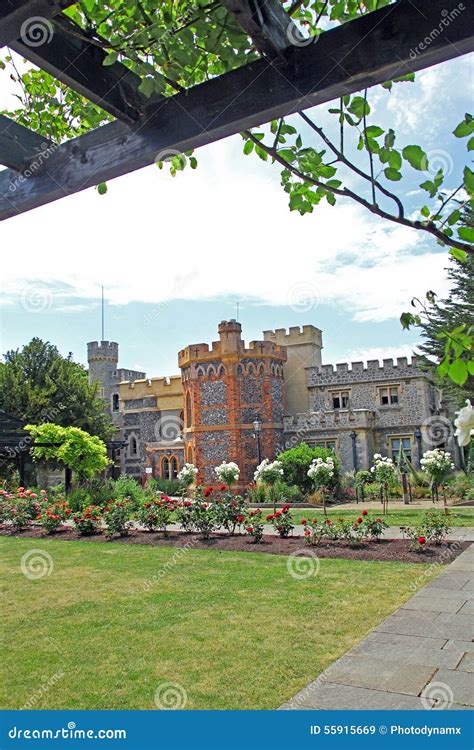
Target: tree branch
{"type": "Point", "coordinates": [429, 227]}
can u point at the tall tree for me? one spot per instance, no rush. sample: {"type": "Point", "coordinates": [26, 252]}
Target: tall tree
{"type": "Point", "coordinates": [453, 313]}
{"type": "Point", "coordinates": [38, 385]}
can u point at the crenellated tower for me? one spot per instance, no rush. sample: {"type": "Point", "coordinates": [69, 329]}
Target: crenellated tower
{"type": "Point", "coordinates": [227, 387]}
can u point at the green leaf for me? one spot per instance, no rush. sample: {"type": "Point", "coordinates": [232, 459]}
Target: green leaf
{"type": "Point", "coordinates": [359, 107]}
{"type": "Point", "coordinates": [457, 371]}
{"type": "Point", "coordinates": [387, 85]}
{"type": "Point", "coordinates": [410, 77]}
{"type": "Point", "coordinates": [425, 211]}
{"type": "Point", "coordinates": [465, 128]}
{"type": "Point", "coordinates": [466, 233]}
{"type": "Point", "coordinates": [390, 139]}
{"type": "Point", "coordinates": [470, 367]}
{"type": "Point", "coordinates": [392, 174]}
{"type": "Point", "coordinates": [470, 144]}
{"type": "Point", "coordinates": [395, 160]}
{"type": "Point", "coordinates": [416, 157]}
{"type": "Point", "coordinates": [430, 187]}
{"type": "Point", "coordinates": [146, 86]}
{"type": "Point", "coordinates": [374, 131]}
{"type": "Point", "coordinates": [102, 188]}
{"type": "Point", "coordinates": [110, 59]}
{"type": "Point", "coordinates": [469, 180]}
{"type": "Point", "coordinates": [287, 154]}
{"type": "Point", "coordinates": [248, 148]}
{"type": "Point", "coordinates": [459, 254]}
{"type": "Point", "coordinates": [454, 217]}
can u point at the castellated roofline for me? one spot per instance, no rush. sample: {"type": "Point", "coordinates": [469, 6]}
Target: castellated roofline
{"type": "Point", "coordinates": [307, 334]}
{"type": "Point", "coordinates": [372, 364]}
{"type": "Point", "coordinates": [102, 349]}
{"type": "Point", "coordinates": [163, 382]}
{"type": "Point", "coordinates": [230, 344]}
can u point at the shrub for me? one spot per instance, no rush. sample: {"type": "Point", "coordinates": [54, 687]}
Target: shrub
{"type": "Point", "coordinates": [282, 521]}
{"type": "Point", "coordinates": [258, 494]}
{"type": "Point", "coordinates": [117, 517]}
{"type": "Point", "coordinates": [87, 521]}
{"type": "Point", "coordinates": [157, 514]}
{"type": "Point", "coordinates": [254, 525]}
{"type": "Point", "coordinates": [287, 493]}
{"type": "Point", "coordinates": [204, 517]}
{"type": "Point", "coordinates": [435, 526]}
{"type": "Point", "coordinates": [52, 515]}
{"type": "Point", "coordinates": [170, 487]}
{"type": "Point", "coordinates": [184, 515]}
{"type": "Point", "coordinates": [375, 527]}
{"type": "Point", "coordinates": [296, 462]}
{"type": "Point", "coordinates": [418, 539]}
{"type": "Point", "coordinates": [18, 513]}
{"type": "Point", "coordinates": [128, 488]}
{"type": "Point", "coordinates": [79, 498]}
{"type": "Point", "coordinates": [227, 473]}
{"type": "Point", "coordinates": [230, 511]}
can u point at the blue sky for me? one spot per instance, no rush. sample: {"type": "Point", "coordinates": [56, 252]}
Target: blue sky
{"type": "Point", "coordinates": [175, 254]}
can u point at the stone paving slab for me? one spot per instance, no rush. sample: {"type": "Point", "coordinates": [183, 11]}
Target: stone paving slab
{"type": "Point", "coordinates": [433, 604]}
{"type": "Point", "coordinates": [466, 646]}
{"type": "Point", "coordinates": [408, 641]}
{"type": "Point", "coordinates": [456, 683]}
{"type": "Point", "coordinates": [333, 697]}
{"type": "Point", "coordinates": [420, 657]}
{"type": "Point", "coordinates": [467, 663]}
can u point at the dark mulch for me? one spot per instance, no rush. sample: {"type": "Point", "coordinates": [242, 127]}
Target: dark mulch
{"type": "Point", "coordinates": [392, 550]}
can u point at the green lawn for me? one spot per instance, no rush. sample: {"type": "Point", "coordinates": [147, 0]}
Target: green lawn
{"type": "Point", "coordinates": [396, 517]}
{"type": "Point", "coordinates": [235, 630]}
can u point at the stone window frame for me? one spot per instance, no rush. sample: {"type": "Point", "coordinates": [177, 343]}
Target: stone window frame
{"type": "Point", "coordinates": [339, 393]}
{"type": "Point", "coordinates": [133, 441]}
{"type": "Point", "coordinates": [389, 387]}
{"type": "Point", "coordinates": [322, 443]}
{"type": "Point", "coordinates": [400, 436]}
{"type": "Point", "coordinates": [115, 399]}
{"type": "Point", "coordinates": [169, 461]}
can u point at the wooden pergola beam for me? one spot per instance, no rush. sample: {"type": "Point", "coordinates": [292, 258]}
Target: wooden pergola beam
{"type": "Point", "coordinates": [18, 145]}
{"type": "Point", "coordinates": [18, 16]}
{"type": "Point", "coordinates": [372, 49]}
{"type": "Point", "coordinates": [267, 24]}
{"type": "Point", "coordinates": [78, 63]}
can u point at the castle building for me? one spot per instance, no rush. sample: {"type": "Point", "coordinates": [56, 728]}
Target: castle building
{"type": "Point", "coordinates": [241, 403]}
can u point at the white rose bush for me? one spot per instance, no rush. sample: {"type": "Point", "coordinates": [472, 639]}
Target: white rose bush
{"type": "Point", "coordinates": [227, 473]}
{"type": "Point", "coordinates": [322, 473]}
{"type": "Point", "coordinates": [438, 465]}
{"type": "Point", "coordinates": [187, 476]}
{"type": "Point", "coordinates": [384, 471]}
{"type": "Point", "coordinates": [464, 424]}
{"type": "Point", "coordinates": [269, 473]}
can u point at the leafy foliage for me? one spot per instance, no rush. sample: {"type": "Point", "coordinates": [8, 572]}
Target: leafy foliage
{"type": "Point", "coordinates": [297, 461]}
{"type": "Point", "coordinates": [38, 385]}
{"type": "Point", "coordinates": [84, 454]}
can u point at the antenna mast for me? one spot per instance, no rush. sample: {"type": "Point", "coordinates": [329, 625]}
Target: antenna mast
{"type": "Point", "coordinates": [103, 333]}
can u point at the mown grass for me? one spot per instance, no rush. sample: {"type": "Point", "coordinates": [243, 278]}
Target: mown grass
{"type": "Point", "coordinates": [235, 630]}
{"type": "Point", "coordinates": [395, 517]}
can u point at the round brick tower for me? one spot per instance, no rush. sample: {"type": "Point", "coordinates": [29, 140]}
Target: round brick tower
{"type": "Point", "coordinates": [226, 388]}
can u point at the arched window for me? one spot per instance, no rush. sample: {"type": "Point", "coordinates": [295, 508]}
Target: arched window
{"type": "Point", "coordinates": [115, 402]}
{"type": "Point", "coordinates": [165, 468]}
{"type": "Point", "coordinates": [132, 446]}
{"type": "Point", "coordinates": [173, 464]}
{"type": "Point", "coordinates": [189, 454]}
{"type": "Point", "coordinates": [189, 413]}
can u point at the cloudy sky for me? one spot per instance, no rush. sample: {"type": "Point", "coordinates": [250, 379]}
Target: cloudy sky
{"type": "Point", "coordinates": [177, 255]}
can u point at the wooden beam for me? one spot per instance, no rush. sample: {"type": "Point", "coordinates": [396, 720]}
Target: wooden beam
{"type": "Point", "coordinates": [18, 145]}
{"type": "Point", "coordinates": [372, 49]}
{"type": "Point", "coordinates": [28, 18]}
{"type": "Point", "coordinates": [70, 58]}
{"type": "Point", "coordinates": [267, 24]}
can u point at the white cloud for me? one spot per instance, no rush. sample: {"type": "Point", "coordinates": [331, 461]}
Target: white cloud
{"type": "Point", "coordinates": [381, 353]}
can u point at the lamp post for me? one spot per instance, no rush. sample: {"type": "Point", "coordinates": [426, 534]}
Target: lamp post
{"type": "Point", "coordinates": [417, 436]}
{"type": "Point", "coordinates": [257, 426]}
{"type": "Point", "coordinates": [353, 437]}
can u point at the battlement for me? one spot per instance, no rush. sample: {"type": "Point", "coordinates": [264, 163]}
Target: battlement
{"type": "Point", "coordinates": [296, 335]}
{"type": "Point", "coordinates": [102, 350]}
{"type": "Point", "coordinates": [345, 372]}
{"type": "Point", "coordinates": [309, 422]}
{"type": "Point", "coordinates": [230, 344]}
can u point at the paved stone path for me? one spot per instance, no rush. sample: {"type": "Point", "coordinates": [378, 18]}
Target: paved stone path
{"type": "Point", "coordinates": [420, 657]}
